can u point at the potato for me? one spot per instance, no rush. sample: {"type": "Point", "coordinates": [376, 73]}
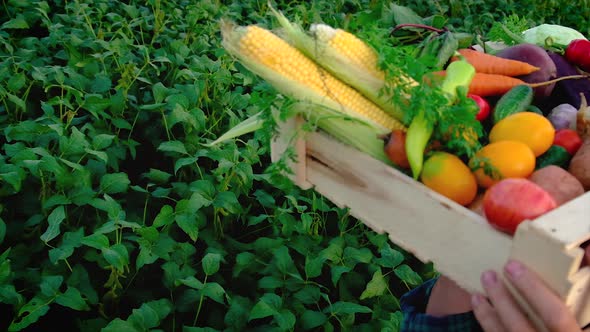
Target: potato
{"type": "Point", "coordinates": [477, 205]}
{"type": "Point", "coordinates": [560, 184]}
{"type": "Point", "coordinates": [580, 164]}
{"type": "Point", "coordinates": [536, 56]}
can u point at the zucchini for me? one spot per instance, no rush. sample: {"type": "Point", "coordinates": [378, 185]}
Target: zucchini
{"type": "Point", "coordinates": [556, 155]}
{"type": "Point", "coordinates": [514, 101]}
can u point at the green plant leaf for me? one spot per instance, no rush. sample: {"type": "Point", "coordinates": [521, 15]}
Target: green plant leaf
{"type": "Point", "coordinates": [285, 319]}
{"type": "Point", "coordinates": [191, 282]}
{"type": "Point", "coordinates": [214, 291]}
{"type": "Point", "coordinates": [173, 146]}
{"type": "Point", "coordinates": [102, 141]}
{"type": "Point", "coordinates": [376, 287]}
{"type": "Point", "coordinates": [99, 154]}
{"type": "Point", "coordinates": [405, 273]}
{"type": "Point", "coordinates": [244, 260]}
{"type": "Point", "coordinates": [19, 22]}
{"type": "Point", "coordinates": [145, 257]}
{"type": "Point", "coordinates": [2, 230]}
{"type": "Point", "coordinates": [310, 294]}
{"type": "Point", "coordinates": [283, 260]}
{"type": "Point", "coordinates": [210, 263]}
{"type": "Point", "coordinates": [158, 176]}
{"type": "Point", "coordinates": [30, 313]}
{"type": "Point", "coordinates": [54, 220]}
{"type": "Point", "coordinates": [270, 282]}
{"type": "Point", "coordinates": [181, 162]}
{"type": "Point", "coordinates": [188, 223]}
{"type": "Point", "coordinates": [389, 257]}
{"type": "Point", "coordinates": [237, 314]}
{"type": "Point", "coordinates": [346, 308]}
{"type": "Point", "coordinates": [72, 298]}
{"type": "Point", "coordinates": [114, 183]}
{"type": "Point", "coordinates": [165, 217]}
{"type": "Point", "coordinates": [268, 305]}
{"type": "Point", "coordinates": [96, 241]}
{"type": "Point", "coordinates": [354, 255]}
{"type": "Point", "coordinates": [118, 325]}
{"type": "Point", "coordinates": [312, 319]}
{"type": "Point", "coordinates": [117, 256]}
{"type": "Point", "coordinates": [50, 285]}
{"type": "Point", "coordinates": [227, 200]}
{"type": "Point", "coordinates": [313, 266]}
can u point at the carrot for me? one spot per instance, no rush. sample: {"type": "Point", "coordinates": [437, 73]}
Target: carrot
{"type": "Point", "coordinates": [491, 64]}
{"type": "Point", "coordinates": [485, 85]}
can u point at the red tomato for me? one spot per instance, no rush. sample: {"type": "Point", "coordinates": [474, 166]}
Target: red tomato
{"type": "Point", "coordinates": [511, 201]}
{"type": "Point", "coordinates": [395, 149]}
{"type": "Point", "coordinates": [578, 53]}
{"type": "Point", "coordinates": [568, 139]}
{"type": "Point", "coordinates": [484, 107]}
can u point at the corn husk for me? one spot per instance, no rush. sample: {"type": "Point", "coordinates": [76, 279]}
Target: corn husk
{"type": "Point", "coordinates": [369, 81]}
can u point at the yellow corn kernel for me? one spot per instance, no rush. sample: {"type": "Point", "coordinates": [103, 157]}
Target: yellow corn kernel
{"type": "Point", "coordinates": [350, 46]}
{"type": "Point", "coordinates": [265, 47]}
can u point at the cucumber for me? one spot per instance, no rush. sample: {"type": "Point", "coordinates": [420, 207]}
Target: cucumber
{"type": "Point", "coordinates": [514, 101]}
{"type": "Point", "coordinates": [534, 109]}
{"type": "Point", "coordinates": [556, 155]}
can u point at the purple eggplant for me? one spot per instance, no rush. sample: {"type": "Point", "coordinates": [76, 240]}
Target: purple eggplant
{"type": "Point", "coordinates": [567, 91]}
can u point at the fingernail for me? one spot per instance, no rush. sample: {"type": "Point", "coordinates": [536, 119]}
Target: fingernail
{"type": "Point", "coordinates": [476, 300]}
{"type": "Point", "coordinates": [514, 269]}
{"type": "Point", "coordinates": [489, 278]}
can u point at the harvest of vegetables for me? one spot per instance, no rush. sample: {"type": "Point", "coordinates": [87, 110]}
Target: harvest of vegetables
{"type": "Point", "coordinates": [467, 124]}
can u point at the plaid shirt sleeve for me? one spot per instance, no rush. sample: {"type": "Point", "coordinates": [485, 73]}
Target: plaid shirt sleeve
{"type": "Point", "coordinates": [413, 306]}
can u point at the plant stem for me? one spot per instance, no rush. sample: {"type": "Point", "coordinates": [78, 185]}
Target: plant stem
{"type": "Point", "coordinates": [416, 25]}
{"type": "Point", "coordinates": [200, 303]}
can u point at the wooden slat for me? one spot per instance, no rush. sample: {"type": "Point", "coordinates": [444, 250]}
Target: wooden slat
{"type": "Point", "coordinates": [428, 225]}
{"type": "Point", "coordinates": [435, 229]}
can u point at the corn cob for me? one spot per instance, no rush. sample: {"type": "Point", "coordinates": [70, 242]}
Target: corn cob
{"type": "Point", "coordinates": [351, 60]}
{"type": "Point", "coordinates": [350, 46]}
{"type": "Point", "coordinates": [292, 73]}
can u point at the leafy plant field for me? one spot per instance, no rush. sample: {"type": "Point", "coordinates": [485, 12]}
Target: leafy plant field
{"type": "Point", "coordinates": [115, 216]}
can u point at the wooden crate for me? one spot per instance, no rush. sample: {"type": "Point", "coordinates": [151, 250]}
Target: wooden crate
{"type": "Point", "coordinates": [435, 229]}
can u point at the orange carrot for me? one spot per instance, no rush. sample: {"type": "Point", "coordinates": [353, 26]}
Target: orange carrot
{"type": "Point", "coordinates": [491, 64]}
{"type": "Point", "coordinates": [485, 85]}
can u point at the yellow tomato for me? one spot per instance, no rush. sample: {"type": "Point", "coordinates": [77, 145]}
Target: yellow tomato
{"type": "Point", "coordinates": [530, 128]}
{"type": "Point", "coordinates": [506, 159]}
{"type": "Point", "coordinates": [449, 176]}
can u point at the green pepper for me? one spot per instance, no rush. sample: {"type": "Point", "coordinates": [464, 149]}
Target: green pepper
{"type": "Point", "coordinates": [458, 77]}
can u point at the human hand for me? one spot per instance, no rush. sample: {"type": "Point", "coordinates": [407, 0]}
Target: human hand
{"type": "Point", "coordinates": [500, 312]}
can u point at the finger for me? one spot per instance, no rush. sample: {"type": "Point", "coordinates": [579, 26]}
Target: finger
{"type": "Point", "coordinates": [507, 309]}
{"type": "Point", "coordinates": [550, 308]}
{"type": "Point", "coordinates": [485, 314]}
